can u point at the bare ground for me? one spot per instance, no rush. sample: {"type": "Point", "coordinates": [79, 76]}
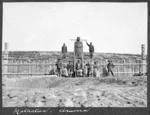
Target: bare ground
{"type": "Point", "coordinates": [52, 91]}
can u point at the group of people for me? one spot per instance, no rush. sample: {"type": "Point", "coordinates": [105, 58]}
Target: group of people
{"type": "Point", "coordinates": [89, 69]}
{"type": "Point", "coordinates": [63, 70]}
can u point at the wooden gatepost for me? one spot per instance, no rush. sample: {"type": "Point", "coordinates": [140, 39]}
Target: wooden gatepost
{"type": "Point", "coordinates": [5, 61]}
{"type": "Point", "coordinates": [78, 52]}
{"type": "Point", "coordinates": [143, 67]}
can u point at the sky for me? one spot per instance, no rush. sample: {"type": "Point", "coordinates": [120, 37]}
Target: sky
{"type": "Point", "coordinates": [111, 27]}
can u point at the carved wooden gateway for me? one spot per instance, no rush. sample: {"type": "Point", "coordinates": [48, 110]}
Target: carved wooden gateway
{"type": "Point", "coordinates": [78, 53]}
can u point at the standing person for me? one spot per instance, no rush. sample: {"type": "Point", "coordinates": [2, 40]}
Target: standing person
{"type": "Point", "coordinates": [64, 50]}
{"type": "Point", "coordinates": [95, 73]}
{"type": "Point", "coordinates": [59, 66]}
{"type": "Point", "coordinates": [70, 69]}
{"type": "Point", "coordinates": [91, 49]}
{"type": "Point", "coordinates": [64, 71]}
{"type": "Point", "coordinates": [90, 68]}
{"type": "Point", "coordinates": [85, 71]}
{"type": "Point", "coordinates": [109, 67]}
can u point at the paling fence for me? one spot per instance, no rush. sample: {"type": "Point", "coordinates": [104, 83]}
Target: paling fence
{"type": "Point", "coordinates": [124, 69]}
{"type": "Point", "coordinates": [21, 68]}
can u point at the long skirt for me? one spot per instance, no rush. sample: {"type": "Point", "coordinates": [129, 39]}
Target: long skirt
{"type": "Point", "coordinates": [96, 73]}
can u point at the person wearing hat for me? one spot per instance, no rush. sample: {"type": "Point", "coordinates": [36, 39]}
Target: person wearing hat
{"type": "Point", "coordinates": [70, 69]}
{"type": "Point", "coordinates": [109, 67]}
{"type": "Point", "coordinates": [64, 50]}
{"type": "Point", "coordinates": [59, 66]}
{"type": "Point", "coordinates": [91, 49]}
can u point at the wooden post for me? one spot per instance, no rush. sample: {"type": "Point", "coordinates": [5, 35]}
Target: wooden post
{"type": "Point", "coordinates": [17, 66]}
{"type": "Point", "coordinates": [118, 67]}
{"type": "Point", "coordinates": [130, 68]}
{"type": "Point", "coordinates": [28, 67]}
{"type": "Point", "coordinates": [92, 69]}
{"type": "Point", "coordinates": [133, 67]}
{"type": "Point", "coordinates": [6, 59]}
{"type": "Point", "coordinates": [36, 67]}
{"type": "Point", "coordinates": [31, 61]}
{"type": "Point", "coordinates": [124, 67]}
{"type": "Point", "coordinates": [143, 61]}
{"type": "Point", "coordinates": [105, 68]}
{"type": "Point", "coordinates": [75, 58]}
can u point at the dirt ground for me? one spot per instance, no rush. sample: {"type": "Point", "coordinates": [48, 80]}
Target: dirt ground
{"type": "Point", "coordinates": [52, 91]}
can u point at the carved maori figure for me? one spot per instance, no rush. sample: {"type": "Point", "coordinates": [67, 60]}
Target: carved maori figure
{"type": "Point", "coordinates": [78, 48]}
{"type": "Point", "coordinates": [143, 51]}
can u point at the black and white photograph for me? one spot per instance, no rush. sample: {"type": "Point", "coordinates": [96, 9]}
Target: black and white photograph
{"type": "Point", "coordinates": [74, 54]}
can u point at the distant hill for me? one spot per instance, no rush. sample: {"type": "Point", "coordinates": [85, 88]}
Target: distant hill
{"type": "Point", "coordinates": [48, 55]}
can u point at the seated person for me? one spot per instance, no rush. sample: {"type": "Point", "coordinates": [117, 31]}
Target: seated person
{"type": "Point", "coordinates": [85, 71]}
{"type": "Point", "coordinates": [64, 71]}
{"type": "Point", "coordinates": [79, 70]}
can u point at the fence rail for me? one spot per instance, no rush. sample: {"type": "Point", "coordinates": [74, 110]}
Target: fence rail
{"type": "Point", "coordinates": [47, 74]}
{"type": "Point", "coordinates": [26, 64]}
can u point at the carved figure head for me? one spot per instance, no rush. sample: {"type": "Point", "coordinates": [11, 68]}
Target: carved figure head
{"type": "Point", "coordinates": [143, 48]}
{"type": "Point", "coordinates": [78, 39]}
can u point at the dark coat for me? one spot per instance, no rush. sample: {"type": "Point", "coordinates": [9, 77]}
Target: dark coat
{"type": "Point", "coordinates": [91, 48]}
{"type": "Point", "coordinates": [59, 64]}
{"type": "Point", "coordinates": [70, 67]}
{"type": "Point", "coordinates": [64, 49]}
{"type": "Point", "coordinates": [110, 66]}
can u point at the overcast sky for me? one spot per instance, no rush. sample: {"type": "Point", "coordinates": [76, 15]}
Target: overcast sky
{"type": "Point", "coordinates": [111, 27]}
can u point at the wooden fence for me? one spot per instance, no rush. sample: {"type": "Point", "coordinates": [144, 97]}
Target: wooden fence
{"type": "Point", "coordinates": [25, 68]}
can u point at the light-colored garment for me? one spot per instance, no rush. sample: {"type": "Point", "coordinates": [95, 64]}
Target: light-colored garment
{"type": "Point", "coordinates": [79, 72]}
{"type": "Point", "coordinates": [64, 72]}
{"type": "Point", "coordinates": [85, 70]}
